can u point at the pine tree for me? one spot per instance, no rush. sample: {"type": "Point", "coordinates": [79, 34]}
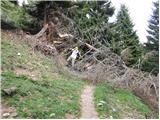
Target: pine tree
{"type": "Point", "coordinates": [151, 57]}
{"type": "Point", "coordinates": [13, 16]}
{"type": "Point", "coordinates": [125, 37]}
{"type": "Point", "coordinates": [92, 18]}
{"type": "Point", "coordinates": [153, 31]}
{"type": "Point", "coordinates": [43, 10]}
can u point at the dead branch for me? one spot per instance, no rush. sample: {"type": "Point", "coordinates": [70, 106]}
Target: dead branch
{"type": "Point", "coordinates": [91, 47]}
{"type": "Point", "coordinates": [41, 32]}
{"type": "Point", "coordinates": [154, 86]}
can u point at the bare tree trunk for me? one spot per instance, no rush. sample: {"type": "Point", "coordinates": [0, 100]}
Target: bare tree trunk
{"type": "Point", "coordinates": [38, 35]}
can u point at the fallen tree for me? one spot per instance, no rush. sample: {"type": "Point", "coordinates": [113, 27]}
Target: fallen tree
{"type": "Point", "coordinates": [98, 62]}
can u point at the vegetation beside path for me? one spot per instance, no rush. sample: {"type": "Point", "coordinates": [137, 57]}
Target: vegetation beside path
{"type": "Point", "coordinates": [41, 91]}
{"type": "Point", "coordinates": [117, 103]}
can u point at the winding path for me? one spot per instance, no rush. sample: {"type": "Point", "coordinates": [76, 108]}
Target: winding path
{"type": "Point", "coordinates": [87, 105]}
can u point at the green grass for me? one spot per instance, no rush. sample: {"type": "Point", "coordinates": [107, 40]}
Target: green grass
{"type": "Point", "coordinates": [27, 59]}
{"type": "Point", "coordinates": [50, 96]}
{"type": "Point", "coordinates": [41, 99]}
{"type": "Point", "coordinates": [53, 95]}
{"type": "Point", "coordinates": [126, 105]}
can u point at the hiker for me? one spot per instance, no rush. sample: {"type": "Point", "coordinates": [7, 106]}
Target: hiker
{"type": "Point", "coordinates": [73, 56]}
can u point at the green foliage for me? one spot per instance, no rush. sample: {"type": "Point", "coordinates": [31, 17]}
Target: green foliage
{"type": "Point", "coordinates": [10, 53]}
{"type": "Point", "coordinates": [14, 16]}
{"type": "Point", "coordinates": [51, 96]}
{"type": "Point", "coordinates": [151, 62]}
{"type": "Point", "coordinates": [37, 8]}
{"type": "Point", "coordinates": [92, 27]}
{"type": "Point", "coordinates": [153, 29]}
{"type": "Point", "coordinates": [119, 103]}
{"type": "Point", "coordinates": [10, 58]}
{"type": "Point", "coordinates": [123, 36]}
{"type": "Point", "coordinates": [40, 100]}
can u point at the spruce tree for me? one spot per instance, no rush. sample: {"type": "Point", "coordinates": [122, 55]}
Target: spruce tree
{"type": "Point", "coordinates": [153, 29]}
{"type": "Point", "coordinates": [92, 18]}
{"type": "Point", "coordinates": [14, 16]}
{"type": "Point", "coordinates": [151, 57]}
{"type": "Point", "coordinates": [125, 37]}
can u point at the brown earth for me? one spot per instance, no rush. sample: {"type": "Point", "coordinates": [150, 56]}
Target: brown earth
{"type": "Point", "coordinates": [87, 105]}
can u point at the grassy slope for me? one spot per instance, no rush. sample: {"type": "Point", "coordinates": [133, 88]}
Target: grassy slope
{"type": "Point", "coordinates": [52, 95]}
{"type": "Point", "coordinates": [119, 103]}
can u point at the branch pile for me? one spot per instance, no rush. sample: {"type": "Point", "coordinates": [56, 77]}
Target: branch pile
{"type": "Point", "coordinates": [98, 62]}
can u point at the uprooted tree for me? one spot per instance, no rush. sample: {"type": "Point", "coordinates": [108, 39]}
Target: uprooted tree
{"type": "Point", "coordinates": [85, 24]}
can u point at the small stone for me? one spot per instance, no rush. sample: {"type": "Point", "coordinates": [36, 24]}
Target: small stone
{"type": "Point", "coordinates": [14, 114]}
{"type": "Point", "coordinates": [113, 109]}
{"type": "Point", "coordinates": [100, 104]}
{"type": "Point", "coordinates": [18, 54]}
{"type": "Point", "coordinates": [103, 102]}
{"type": "Point", "coordinates": [10, 90]}
{"type": "Point", "coordinates": [6, 114]}
{"type": "Point", "coordinates": [52, 114]}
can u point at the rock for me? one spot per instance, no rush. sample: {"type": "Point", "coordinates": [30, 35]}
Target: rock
{"type": "Point", "coordinates": [114, 110]}
{"type": "Point", "coordinates": [5, 115]}
{"type": "Point", "coordinates": [18, 54]}
{"type": "Point", "coordinates": [110, 117]}
{"type": "Point", "coordinates": [10, 90]}
{"type": "Point", "coordinates": [52, 114]}
{"type": "Point", "coordinates": [103, 102]}
{"type": "Point", "coordinates": [14, 114]}
{"type": "Point", "coordinates": [99, 104]}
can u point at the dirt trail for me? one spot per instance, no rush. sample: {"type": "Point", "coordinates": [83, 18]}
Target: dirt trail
{"type": "Point", "coordinates": [87, 105]}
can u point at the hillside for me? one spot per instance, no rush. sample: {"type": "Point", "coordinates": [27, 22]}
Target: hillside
{"type": "Point", "coordinates": [64, 59]}
{"type": "Point", "coordinates": [42, 92]}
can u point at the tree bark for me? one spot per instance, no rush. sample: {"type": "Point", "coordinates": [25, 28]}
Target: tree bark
{"type": "Point", "coordinates": [38, 35]}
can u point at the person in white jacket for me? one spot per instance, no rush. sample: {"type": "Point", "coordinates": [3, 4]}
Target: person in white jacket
{"type": "Point", "coordinates": [73, 56]}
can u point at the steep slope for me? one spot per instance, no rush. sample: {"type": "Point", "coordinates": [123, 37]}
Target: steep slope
{"type": "Point", "coordinates": [32, 87]}
{"type": "Point", "coordinates": [117, 103]}
{"type": "Point", "coordinates": [40, 91]}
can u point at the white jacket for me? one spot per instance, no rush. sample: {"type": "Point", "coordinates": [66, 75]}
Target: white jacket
{"type": "Point", "coordinates": [74, 54]}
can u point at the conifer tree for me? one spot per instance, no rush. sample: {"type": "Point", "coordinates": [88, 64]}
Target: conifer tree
{"type": "Point", "coordinates": [153, 29]}
{"type": "Point", "coordinates": [92, 18]}
{"type": "Point", "coordinates": [125, 37]}
{"type": "Point", "coordinates": [151, 57]}
{"type": "Point", "coordinates": [14, 16]}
